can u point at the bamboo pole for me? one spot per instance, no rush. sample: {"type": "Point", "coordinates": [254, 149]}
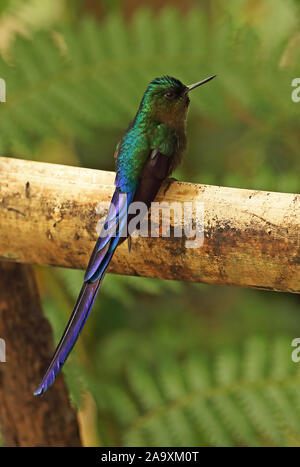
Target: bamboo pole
{"type": "Point", "coordinates": [251, 238]}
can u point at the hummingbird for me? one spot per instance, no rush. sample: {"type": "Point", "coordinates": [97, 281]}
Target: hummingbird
{"type": "Point", "coordinates": [149, 151]}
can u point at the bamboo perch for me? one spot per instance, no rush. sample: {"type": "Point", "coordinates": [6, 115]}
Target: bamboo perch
{"type": "Point", "coordinates": [48, 217]}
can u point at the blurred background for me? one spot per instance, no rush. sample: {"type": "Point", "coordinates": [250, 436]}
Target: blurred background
{"type": "Point", "coordinates": [164, 363]}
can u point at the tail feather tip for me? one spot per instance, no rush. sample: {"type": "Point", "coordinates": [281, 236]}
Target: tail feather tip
{"type": "Point", "coordinates": [44, 385]}
{"type": "Point", "coordinates": [39, 391]}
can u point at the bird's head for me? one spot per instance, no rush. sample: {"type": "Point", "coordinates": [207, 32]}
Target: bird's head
{"type": "Point", "coordinates": [167, 99]}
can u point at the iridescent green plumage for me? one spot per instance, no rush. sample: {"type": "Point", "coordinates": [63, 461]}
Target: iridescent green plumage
{"type": "Point", "coordinates": [159, 124]}
{"type": "Point", "coordinates": [148, 152]}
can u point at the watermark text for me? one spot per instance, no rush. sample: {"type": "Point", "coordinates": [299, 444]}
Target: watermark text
{"type": "Point", "coordinates": [296, 92]}
{"type": "Point", "coordinates": [2, 351]}
{"type": "Point", "coordinates": [175, 220]}
{"type": "Point", "coordinates": [2, 90]}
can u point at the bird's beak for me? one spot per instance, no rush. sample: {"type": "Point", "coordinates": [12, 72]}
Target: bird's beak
{"type": "Point", "coordinates": [195, 85]}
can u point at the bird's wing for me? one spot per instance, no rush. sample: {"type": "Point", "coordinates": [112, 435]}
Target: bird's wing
{"type": "Point", "coordinates": [154, 172]}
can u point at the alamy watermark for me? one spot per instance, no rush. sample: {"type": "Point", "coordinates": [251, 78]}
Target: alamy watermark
{"type": "Point", "coordinates": [2, 351]}
{"type": "Point", "coordinates": [176, 220]}
{"type": "Point", "coordinates": [296, 352]}
{"type": "Point", "coordinates": [296, 92]}
{"type": "Point", "coordinates": [2, 90]}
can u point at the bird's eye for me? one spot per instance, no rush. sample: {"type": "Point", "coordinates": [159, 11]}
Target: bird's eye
{"type": "Point", "coordinates": [170, 95]}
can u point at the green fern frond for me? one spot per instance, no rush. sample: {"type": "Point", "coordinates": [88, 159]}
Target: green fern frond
{"type": "Point", "coordinates": [98, 79]}
{"type": "Point", "coordinates": [248, 397]}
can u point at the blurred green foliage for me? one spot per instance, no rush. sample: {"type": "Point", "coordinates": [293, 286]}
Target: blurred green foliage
{"type": "Point", "coordinates": [168, 363]}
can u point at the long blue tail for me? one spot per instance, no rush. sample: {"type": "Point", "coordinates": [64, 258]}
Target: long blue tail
{"type": "Point", "coordinates": [76, 322]}
{"type": "Point", "coordinates": [103, 252]}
